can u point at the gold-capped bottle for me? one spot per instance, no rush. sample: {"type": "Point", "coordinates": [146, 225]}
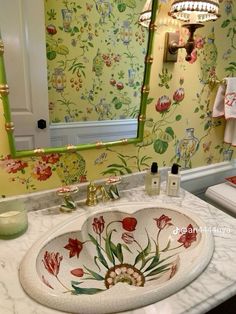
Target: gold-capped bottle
{"type": "Point", "coordinates": [152, 180]}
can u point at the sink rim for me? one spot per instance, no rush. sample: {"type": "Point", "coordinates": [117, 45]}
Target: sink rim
{"type": "Point", "coordinates": [34, 287]}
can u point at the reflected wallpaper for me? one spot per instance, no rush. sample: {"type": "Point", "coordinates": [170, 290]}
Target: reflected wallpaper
{"type": "Point", "coordinates": [179, 126]}
{"type": "Point", "coordinates": [95, 54]}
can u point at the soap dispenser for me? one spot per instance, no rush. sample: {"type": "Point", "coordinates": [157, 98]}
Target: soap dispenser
{"type": "Point", "coordinates": [152, 180]}
{"type": "Point", "coordinates": [173, 181]}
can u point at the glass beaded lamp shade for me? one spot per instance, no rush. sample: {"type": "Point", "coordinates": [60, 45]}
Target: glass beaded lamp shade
{"type": "Point", "coordinates": [195, 11]}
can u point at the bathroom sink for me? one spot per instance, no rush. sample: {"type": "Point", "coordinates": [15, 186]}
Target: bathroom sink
{"type": "Point", "coordinates": [117, 259]}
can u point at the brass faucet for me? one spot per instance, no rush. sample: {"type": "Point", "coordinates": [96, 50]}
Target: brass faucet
{"type": "Point", "coordinates": [93, 192]}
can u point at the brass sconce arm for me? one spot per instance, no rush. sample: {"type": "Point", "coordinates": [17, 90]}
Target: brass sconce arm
{"type": "Point", "coordinates": [172, 43]}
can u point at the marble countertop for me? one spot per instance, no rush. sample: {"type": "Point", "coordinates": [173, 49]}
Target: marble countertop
{"type": "Point", "coordinates": [216, 284]}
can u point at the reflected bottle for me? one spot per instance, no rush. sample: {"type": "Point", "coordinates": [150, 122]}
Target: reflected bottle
{"type": "Point", "coordinates": [187, 147]}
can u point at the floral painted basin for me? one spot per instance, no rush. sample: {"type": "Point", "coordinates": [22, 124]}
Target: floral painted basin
{"type": "Point", "coordinates": [117, 259]}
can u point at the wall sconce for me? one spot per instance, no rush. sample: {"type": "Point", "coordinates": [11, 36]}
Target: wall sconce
{"type": "Point", "coordinates": [194, 12]}
{"type": "Point", "coordinates": [145, 16]}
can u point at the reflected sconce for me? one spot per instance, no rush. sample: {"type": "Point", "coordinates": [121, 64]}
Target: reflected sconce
{"type": "Point", "coordinates": [145, 16]}
{"type": "Point", "coordinates": [194, 13]}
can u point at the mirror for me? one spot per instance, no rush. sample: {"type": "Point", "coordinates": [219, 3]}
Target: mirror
{"type": "Point", "coordinates": [97, 67]}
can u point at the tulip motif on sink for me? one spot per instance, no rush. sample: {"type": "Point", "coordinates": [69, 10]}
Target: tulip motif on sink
{"type": "Point", "coordinates": [118, 256]}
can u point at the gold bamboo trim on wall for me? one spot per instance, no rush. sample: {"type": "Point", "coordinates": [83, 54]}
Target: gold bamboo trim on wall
{"type": "Point", "coordinates": [145, 89]}
{"type": "Point", "coordinates": [9, 126]}
{"type": "Point", "coordinates": [124, 141]}
{"type": "Point", "coordinates": [152, 27]}
{"type": "Point", "coordinates": [71, 147]}
{"type": "Point", "coordinates": [99, 144]}
{"type": "Point", "coordinates": [149, 59]}
{"type": "Point", "coordinates": [1, 47]}
{"type": "Point", "coordinates": [142, 118]}
{"type": "Point", "coordinates": [39, 151]}
{"type": "Point", "coordinates": [4, 89]}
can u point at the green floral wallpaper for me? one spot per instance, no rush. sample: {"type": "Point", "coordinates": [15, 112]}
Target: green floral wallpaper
{"type": "Point", "coordinates": [95, 53]}
{"type": "Point", "coordinates": [179, 125]}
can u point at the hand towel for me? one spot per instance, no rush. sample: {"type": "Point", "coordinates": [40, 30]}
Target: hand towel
{"type": "Point", "coordinates": [230, 132]}
{"type": "Point", "coordinates": [230, 99]}
{"type": "Point", "coordinates": [218, 107]}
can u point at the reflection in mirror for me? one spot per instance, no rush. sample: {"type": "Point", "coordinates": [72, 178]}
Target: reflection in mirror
{"type": "Point", "coordinates": [95, 58]}
{"type": "Point", "coordinates": [85, 79]}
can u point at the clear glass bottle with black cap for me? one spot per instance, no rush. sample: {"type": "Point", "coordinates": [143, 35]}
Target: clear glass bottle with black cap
{"type": "Point", "coordinates": [152, 180]}
{"type": "Point", "coordinates": [173, 181]}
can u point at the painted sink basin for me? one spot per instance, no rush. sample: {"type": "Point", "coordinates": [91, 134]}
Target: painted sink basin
{"type": "Point", "coordinates": [116, 259]}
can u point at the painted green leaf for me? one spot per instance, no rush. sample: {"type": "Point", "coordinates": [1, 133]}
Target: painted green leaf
{"type": "Point", "coordinates": [94, 241]}
{"type": "Point", "coordinates": [178, 117]}
{"type": "Point", "coordinates": [141, 256]}
{"type": "Point", "coordinates": [51, 55]}
{"type": "Point", "coordinates": [159, 270]}
{"type": "Point", "coordinates": [167, 246]}
{"type": "Point", "coordinates": [94, 274]}
{"type": "Point", "coordinates": [225, 23]}
{"type": "Point", "coordinates": [160, 146]}
{"type": "Point", "coordinates": [126, 247]}
{"type": "Point", "coordinates": [154, 263]}
{"type": "Point", "coordinates": [75, 29]}
{"type": "Point", "coordinates": [62, 50]}
{"type": "Point", "coordinates": [149, 101]}
{"type": "Point", "coordinates": [170, 131]}
{"type": "Point", "coordinates": [89, 291]}
{"type": "Point", "coordinates": [101, 258]}
{"type": "Point", "coordinates": [130, 3]}
{"type": "Point", "coordinates": [108, 247]}
{"type": "Point", "coordinates": [118, 105]}
{"type": "Point", "coordinates": [121, 7]}
{"type": "Point", "coordinates": [119, 253]}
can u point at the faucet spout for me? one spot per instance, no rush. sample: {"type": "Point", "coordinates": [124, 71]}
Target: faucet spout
{"type": "Point", "coordinates": [93, 192]}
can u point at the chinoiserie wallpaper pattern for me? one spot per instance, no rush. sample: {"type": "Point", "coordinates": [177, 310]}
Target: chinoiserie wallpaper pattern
{"type": "Point", "coordinates": [95, 53]}
{"type": "Point", "coordinates": [179, 127]}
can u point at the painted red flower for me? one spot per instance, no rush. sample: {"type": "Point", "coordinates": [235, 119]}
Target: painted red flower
{"type": "Point", "coordinates": [51, 29]}
{"type": "Point", "coordinates": [129, 223]}
{"type": "Point", "coordinates": [13, 165]}
{"type": "Point", "coordinates": [230, 98]}
{"type": "Point", "coordinates": [51, 261]}
{"type": "Point", "coordinates": [188, 237]}
{"type": "Point", "coordinates": [179, 94]}
{"type": "Point", "coordinates": [42, 171]}
{"type": "Point", "coordinates": [199, 42]}
{"type": "Point", "coordinates": [193, 57]}
{"type": "Point", "coordinates": [78, 272]}
{"type": "Point", "coordinates": [98, 225]}
{"type": "Point", "coordinates": [83, 178]}
{"type": "Point", "coordinates": [163, 104]}
{"type": "Point", "coordinates": [74, 246]}
{"type": "Point", "coordinates": [51, 158]}
{"type": "Point", "coordinates": [127, 237]}
{"type": "Point", "coordinates": [163, 221]}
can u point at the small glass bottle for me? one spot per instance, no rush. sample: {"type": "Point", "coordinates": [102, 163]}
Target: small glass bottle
{"type": "Point", "coordinates": [173, 181]}
{"type": "Point", "coordinates": [152, 180]}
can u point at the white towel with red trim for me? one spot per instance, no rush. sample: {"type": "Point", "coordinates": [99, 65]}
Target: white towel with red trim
{"type": "Point", "coordinates": [225, 106]}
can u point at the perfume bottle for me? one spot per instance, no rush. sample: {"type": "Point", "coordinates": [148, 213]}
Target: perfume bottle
{"type": "Point", "coordinates": [173, 181]}
{"type": "Point", "coordinates": [152, 180]}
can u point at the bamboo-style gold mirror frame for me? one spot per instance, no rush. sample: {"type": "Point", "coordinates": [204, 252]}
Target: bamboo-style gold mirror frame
{"type": "Point", "coordinates": [9, 125]}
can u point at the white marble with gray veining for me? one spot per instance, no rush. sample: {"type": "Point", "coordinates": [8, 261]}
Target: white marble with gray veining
{"type": "Point", "coordinates": [216, 284]}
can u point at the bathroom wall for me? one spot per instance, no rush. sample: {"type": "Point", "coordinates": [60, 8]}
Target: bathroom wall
{"type": "Point", "coordinates": [179, 126]}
